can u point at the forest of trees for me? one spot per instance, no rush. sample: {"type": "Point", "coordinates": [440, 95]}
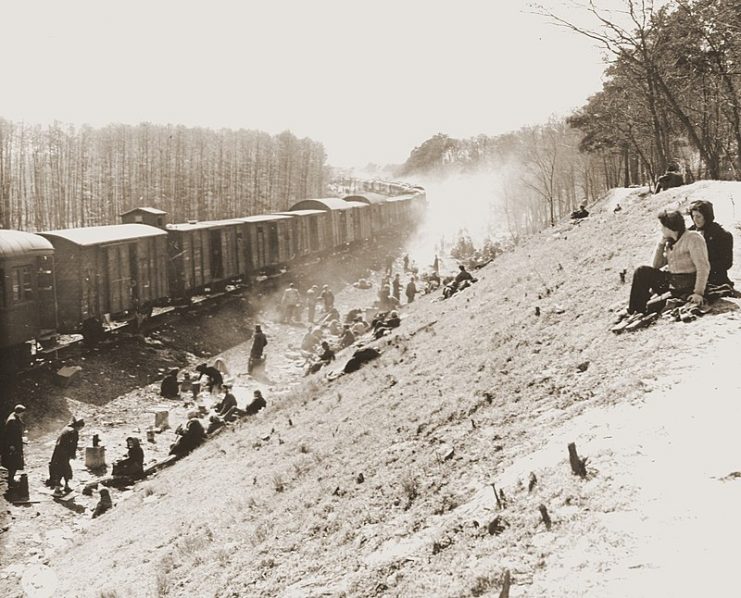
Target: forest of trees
{"type": "Point", "coordinates": [61, 176]}
{"type": "Point", "coordinates": [671, 95]}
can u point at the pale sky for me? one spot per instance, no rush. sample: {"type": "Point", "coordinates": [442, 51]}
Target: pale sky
{"type": "Point", "coordinates": [369, 79]}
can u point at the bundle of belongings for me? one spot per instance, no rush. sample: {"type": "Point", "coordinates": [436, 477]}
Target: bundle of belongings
{"type": "Point", "coordinates": [672, 308]}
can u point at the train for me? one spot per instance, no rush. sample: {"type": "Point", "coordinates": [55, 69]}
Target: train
{"type": "Point", "coordinates": [73, 280]}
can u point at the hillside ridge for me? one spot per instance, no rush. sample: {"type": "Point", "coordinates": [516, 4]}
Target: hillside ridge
{"type": "Point", "coordinates": [470, 391]}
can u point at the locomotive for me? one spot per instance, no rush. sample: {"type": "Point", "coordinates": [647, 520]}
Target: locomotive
{"type": "Point", "coordinates": [72, 280]}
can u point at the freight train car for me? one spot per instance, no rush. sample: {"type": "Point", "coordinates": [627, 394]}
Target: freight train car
{"type": "Point", "coordinates": [27, 307]}
{"type": "Point", "coordinates": [107, 270]}
{"type": "Point", "coordinates": [205, 255]}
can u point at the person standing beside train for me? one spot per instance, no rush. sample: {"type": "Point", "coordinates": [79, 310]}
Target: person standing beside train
{"type": "Point", "coordinates": [290, 303]}
{"type": "Point", "coordinates": [12, 449]}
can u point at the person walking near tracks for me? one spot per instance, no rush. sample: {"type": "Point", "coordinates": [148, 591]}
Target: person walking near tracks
{"type": "Point", "coordinates": [410, 291]}
{"type": "Point", "coordinates": [12, 448]}
{"type": "Point", "coordinates": [396, 286]}
{"type": "Point", "coordinates": [64, 450]}
{"type": "Point", "coordinates": [290, 303]}
{"type": "Point", "coordinates": [259, 341]}
{"type": "Point", "coordinates": [327, 296]}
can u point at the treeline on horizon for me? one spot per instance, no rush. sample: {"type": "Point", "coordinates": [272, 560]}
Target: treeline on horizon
{"type": "Point", "coordinates": [671, 96]}
{"type": "Point", "coordinates": [61, 176]}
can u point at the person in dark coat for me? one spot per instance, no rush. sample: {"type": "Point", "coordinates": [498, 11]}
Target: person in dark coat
{"type": "Point", "coordinates": [327, 297]}
{"type": "Point", "coordinates": [718, 240]}
{"type": "Point", "coordinates": [12, 446]}
{"type": "Point", "coordinates": [671, 178]}
{"type": "Point", "coordinates": [348, 338]}
{"type": "Point", "coordinates": [256, 404]}
{"type": "Point", "coordinates": [170, 388]}
{"type": "Point", "coordinates": [226, 404]}
{"type": "Point", "coordinates": [133, 464]}
{"type": "Point", "coordinates": [190, 436]}
{"type": "Point", "coordinates": [396, 286]}
{"type": "Point", "coordinates": [65, 449]}
{"type": "Point", "coordinates": [259, 342]}
{"type": "Point", "coordinates": [410, 291]}
{"type": "Point", "coordinates": [582, 212]}
{"type": "Point", "coordinates": [215, 379]}
{"type": "Point", "coordinates": [462, 276]}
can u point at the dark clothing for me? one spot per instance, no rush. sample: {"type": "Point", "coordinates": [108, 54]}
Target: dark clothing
{"type": "Point", "coordinates": [190, 436]}
{"type": "Point", "coordinates": [256, 405]}
{"type": "Point", "coordinates": [720, 251]}
{"type": "Point", "coordinates": [410, 291]}
{"type": "Point", "coordinates": [326, 356]}
{"type": "Point", "coordinates": [462, 275]}
{"type": "Point", "coordinates": [170, 389]}
{"type": "Point", "coordinates": [259, 342]}
{"type": "Point", "coordinates": [132, 465]}
{"type": "Point", "coordinates": [327, 297]}
{"type": "Point", "coordinates": [12, 447]}
{"type": "Point", "coordinates": [648, 280]}
{"type": "Point", "coordinates": [64, 450]}
{"type": "Point", "coordinates": [214, 377]}
{"type": "Point", "coordinates": [580, 213]}
{"type": "Point", "coordinates": [348, 338]}
{"type": "Point", "coordinates": [396, 286]}
{"type": "Point", "coordinates": [225, 405]}
{"type": "Point", "coordinates": [669, 180]}
{"type": "Point", "coordinates": [104, 504]}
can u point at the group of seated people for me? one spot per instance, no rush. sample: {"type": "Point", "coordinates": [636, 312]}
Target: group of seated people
{"type": "Point", "coordinates": [209, 376]}
{"type": "Point", "coordinates": [192, 434]}
{"type": "Point", "coordinates": [686, 263]}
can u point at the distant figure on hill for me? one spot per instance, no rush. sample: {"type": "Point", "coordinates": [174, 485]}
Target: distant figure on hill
{"type": "Point", "coordinates": [671, 178]}
{"type": "Point", "coordinates": [617, 209]}
{"type": "Point", "coordinates": [463, 276]}
{"type": "Point", "coordinates": [324, 358]}
{"type": "Point", "coordinates": [580, 213]}
{"type": "Point", "coordinates": [190, 436]}
{"type": "Point", "coordinates": [227, 403]}
{"type": "Point", "coordinates": [686, 256]}
{"type": "Point", "coordinates": [718, 240]}
{"type": "Point", "coordinates": [170, 388]}
{"type": "Point", "coordinates": [133, 464]}
{"type": "Point", "coordinates": [410, 291]}
{"type": "Point", "coordinates": [396, 286]}
{"type": "Point", "coordinates": [348, 338]}
{"type": "Point", "coordinates": [259, 342]}
{"type": "Point", "coordinates": [327, 297]}
{"type": "Point", "coordinates": [257, 403]}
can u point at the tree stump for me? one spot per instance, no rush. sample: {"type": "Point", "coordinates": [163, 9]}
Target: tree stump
{"type": "Point", "coordinates": [545, 516]}
{"type": "Point", "coordinates": [506, 581]}
{"type": "Point", "coordinates": [578, 465]}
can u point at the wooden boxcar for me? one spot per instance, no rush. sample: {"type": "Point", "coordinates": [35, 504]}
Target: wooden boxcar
{"type": "Point", "coordinates": [205, 255]}
{"type": "Point", "coordinates": [375, 202]}
{"type": "Point", "coordinates": [27, 309]}
{"type": "Point", "coordinates": [269, 241]}
{"type": "Point", "coordinates": [107, 270]}
{"type": "Point", "coordinates": [343, 223]}
{"type": "Point", "coordinates": [313, 228]}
